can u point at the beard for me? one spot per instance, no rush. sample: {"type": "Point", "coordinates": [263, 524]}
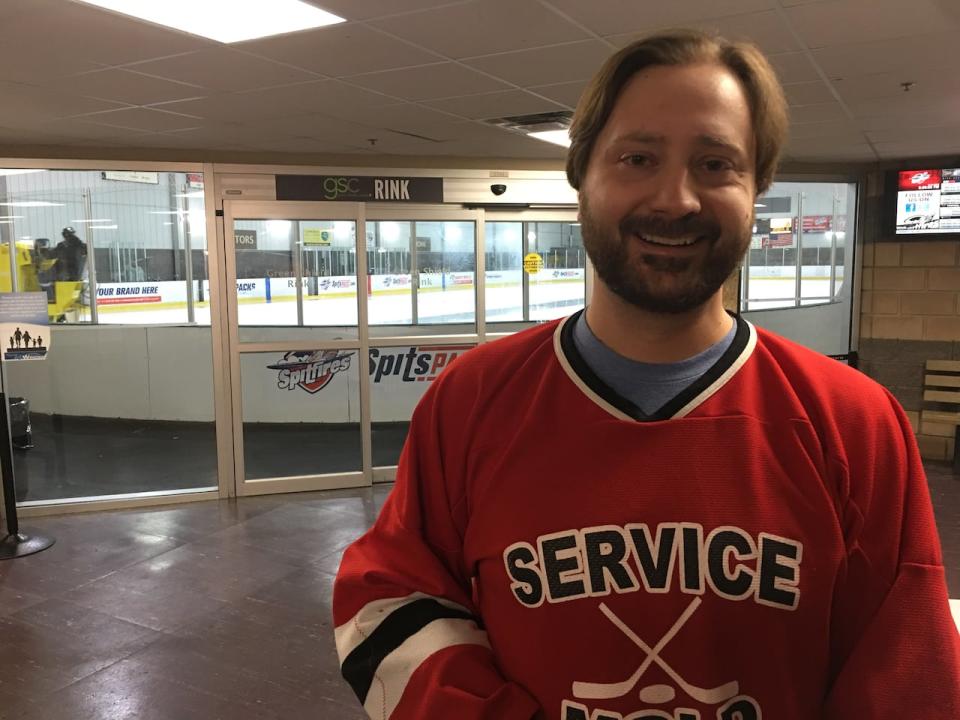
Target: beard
{"type": "Point", "coordinates": [657, 283]}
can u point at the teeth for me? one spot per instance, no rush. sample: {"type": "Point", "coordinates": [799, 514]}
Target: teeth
{"type": "Point", "coordinates": [672, 242]}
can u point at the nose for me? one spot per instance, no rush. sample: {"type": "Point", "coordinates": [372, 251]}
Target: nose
{"type": "Point", "coordinates": [674, 193]}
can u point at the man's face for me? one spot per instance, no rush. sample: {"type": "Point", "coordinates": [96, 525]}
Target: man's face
{"type": "Point", "coordinates": [666, 203]}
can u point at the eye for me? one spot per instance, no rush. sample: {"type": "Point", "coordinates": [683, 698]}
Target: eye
{"type": "Point", "coordinates": [717, 165]}
{"type": "Point", "coordinates": [635, 159]}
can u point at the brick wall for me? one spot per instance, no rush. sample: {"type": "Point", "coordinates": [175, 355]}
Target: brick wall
{"type": "Point", "coordinates": [910, 313]}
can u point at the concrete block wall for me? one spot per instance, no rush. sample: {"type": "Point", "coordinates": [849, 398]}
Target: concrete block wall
{"type": "Point", "coordinates": [910, 313]}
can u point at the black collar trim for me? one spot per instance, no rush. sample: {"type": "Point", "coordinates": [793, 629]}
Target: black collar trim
{"type": "Point", "coordinates": [686, 401]}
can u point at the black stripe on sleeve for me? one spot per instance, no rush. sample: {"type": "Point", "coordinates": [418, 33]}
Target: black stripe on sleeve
{"type": "Point", "coordinates": [360, 665]}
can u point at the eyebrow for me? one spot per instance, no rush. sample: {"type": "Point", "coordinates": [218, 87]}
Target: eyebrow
{"type": "Point", "coordinates": [713, 141]}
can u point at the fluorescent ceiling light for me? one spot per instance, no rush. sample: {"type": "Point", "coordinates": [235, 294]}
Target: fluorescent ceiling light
{"type": "Point", "coordinates": [167, 212]}
{"type": "Point", "coordinates": [10, 217]}
{"type": "Point", "coordinates": [759, 205]}
{"type": "Point", "coordinates": [557, 137]}
{"type": "Point", "coordinates": [198, 193]}
{"type": "Point", "coordinates": [77, 222]}
{"type": "Point", "coordinates": [103, 227]}
{"type": "Point", "coordinates": [225, 21]}
{"type": "Point", "coordinates": [32, 203]}
{"type": "Point", "coordinates": [12, 171]}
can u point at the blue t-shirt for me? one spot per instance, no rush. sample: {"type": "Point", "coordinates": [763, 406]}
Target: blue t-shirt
{"type": "Point", "coordinates": [649, 386]}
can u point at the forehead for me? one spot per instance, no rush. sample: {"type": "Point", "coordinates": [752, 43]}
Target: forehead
{"type": "Point", "coordinates": [683, 102]}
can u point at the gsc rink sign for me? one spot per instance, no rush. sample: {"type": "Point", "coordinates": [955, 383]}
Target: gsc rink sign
{"type": "Point", "coordinates": [359, 188]}
{"type": "Point", "coordinates": [313, 370]}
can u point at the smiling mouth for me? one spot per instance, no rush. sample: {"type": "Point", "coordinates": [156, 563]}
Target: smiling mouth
{"type": "Point", "coordinates": [670, 242]}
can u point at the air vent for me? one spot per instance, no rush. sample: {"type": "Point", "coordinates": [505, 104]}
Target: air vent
{"type": "Point", "coordinates": [538, 122]}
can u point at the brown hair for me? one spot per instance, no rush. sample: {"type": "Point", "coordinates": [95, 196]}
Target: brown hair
{"type": "Point", "coordinates": [768, 107]}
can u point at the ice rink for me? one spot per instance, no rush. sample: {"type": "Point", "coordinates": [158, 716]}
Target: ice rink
{"type": "Point", "coordinates": [437, 306]}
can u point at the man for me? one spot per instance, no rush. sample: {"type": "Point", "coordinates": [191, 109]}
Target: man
{"type": "Point", "coordinates": [653, 509]}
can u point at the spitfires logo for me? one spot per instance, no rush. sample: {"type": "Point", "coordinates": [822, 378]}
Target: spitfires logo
{"type": "Point", "coordinates": [311, 370]}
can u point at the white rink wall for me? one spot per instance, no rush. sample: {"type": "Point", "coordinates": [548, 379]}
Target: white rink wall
{"type": "Point", "coordinates": [165, 373]}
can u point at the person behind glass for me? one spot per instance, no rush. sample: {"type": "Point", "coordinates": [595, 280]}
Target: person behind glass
{"type": "Point", "coordinates": [71, 253]}
{"type": "Point", "coordinates": [653, 508]}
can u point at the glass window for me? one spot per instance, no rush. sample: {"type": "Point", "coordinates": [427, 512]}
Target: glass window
{"type": "Point", "coordinates": [123, 402]}
{"type": "Point", "coordinates": [421, 273]}
{"type": "Point", "coordinates": [556, 289]}
{"type": "Point", "coordinates": [295, 274]}
{"type": "Point", "coordinates": [798, 254]}
{"type": "Point", "coordinates": [135, 238]}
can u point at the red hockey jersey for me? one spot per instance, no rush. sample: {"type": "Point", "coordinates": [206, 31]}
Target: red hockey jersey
{"type": "Point", "coordinates": [762, 547]}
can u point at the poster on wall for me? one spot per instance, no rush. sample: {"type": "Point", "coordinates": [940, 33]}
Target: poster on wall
{"type": "Point", "coordinates": [24, 325]}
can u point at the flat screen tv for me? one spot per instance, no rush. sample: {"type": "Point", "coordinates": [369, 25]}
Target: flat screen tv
{"type": "Point", "coordinates": [927, 201]}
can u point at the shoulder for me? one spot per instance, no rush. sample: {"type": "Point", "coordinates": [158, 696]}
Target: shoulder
{"type": "Point", "coordinates": [815, 376]}
{"type": "Point", "coordinates": [481, 377]}
{"type": "Point", "coordinates": [847, 409]}
{"type": "Point", "coordinates": [504, 357]}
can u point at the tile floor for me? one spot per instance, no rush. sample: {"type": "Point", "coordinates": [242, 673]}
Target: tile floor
{"type": "Point", "coordinates": [207, 611]}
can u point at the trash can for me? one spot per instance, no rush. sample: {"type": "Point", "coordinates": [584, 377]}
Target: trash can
{"type": "Point", "coordinates": [20, 428]}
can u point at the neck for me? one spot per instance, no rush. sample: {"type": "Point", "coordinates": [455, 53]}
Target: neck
{"type": "Point", "coordinates": [655, 337]}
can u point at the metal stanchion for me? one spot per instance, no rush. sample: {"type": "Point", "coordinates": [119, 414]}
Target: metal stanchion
{"type": "Point", "coordinates": [18, 541]}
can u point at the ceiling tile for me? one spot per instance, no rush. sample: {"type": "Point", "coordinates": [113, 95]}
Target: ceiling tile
{"type": "Point", "coordinates": [80, 128]}
{"type": "Point", "coordinates": [612, 17]}
{"type": "Point", "coordinates": [339, 50]}
{"type": "Point", "coordinates": [567, 94]}
{"type": "Point", "coordinates": [816, 113]}
{"type": "Point", "coordinates": [794, 67]}
{"type": "Point", "coordinates": [559, 63]}
{"type": "Point", "coordinates": [224, 70]}
{"type": "Point", "coordinates": [826, 24]}
{"type": "Point", "coordinates": [916, 110]}
{"type": "Point", "coordinates": [26, 104]}
{"type": "Point", "coordinates": [946, 134]}
{"type": "Point", "coordinates": [919, 147]}
{"type": "Point", "coordinates": [429, 82]}
{"type": "Point", "coordinates": [808, 93]}
{"type": "Point", "coordinates": [99, 36]}
{"type": "Point", "coordinates": [830, 152]}
{"type": "Point", "coordinates": [328, 97]}
{"type": "Point", "coordinates": [495, 105]}
{"type": "Point", "coordinates": [885, 85]}
{"type": "Point", "coordinates": [765, 29]}
{"type": "Point", "coordinates": [846, 129]}
{"type": "Point", "coordinates": [907, 55]}
{"type": "Point", "coordinates": [413, 119]}
{"type": "Point", "coordinates": [483, 27]}
{"type": "Point", "coordinates": [124, 86]}
{"type": "Point", "coordinates": [143, 119]}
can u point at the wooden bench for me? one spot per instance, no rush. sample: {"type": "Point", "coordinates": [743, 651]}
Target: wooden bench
{"type": "Point", "coordinates": [941, 385]}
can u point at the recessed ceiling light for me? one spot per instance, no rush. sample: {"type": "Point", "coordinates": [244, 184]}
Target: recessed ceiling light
{"type": "Point", "coordinates": [225, 21]}
{"type": "Point", "coordinates": [557, 137]}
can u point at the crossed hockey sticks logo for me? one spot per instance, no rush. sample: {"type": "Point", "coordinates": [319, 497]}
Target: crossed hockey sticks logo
{"type": "Point", "coordinates": [605, 691]}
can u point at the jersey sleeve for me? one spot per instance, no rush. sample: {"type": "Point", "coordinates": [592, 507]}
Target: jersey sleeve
{"type": "Point", "coordinates": [894, 643]}
{"type": "Point", "coordinates": [409, 638]}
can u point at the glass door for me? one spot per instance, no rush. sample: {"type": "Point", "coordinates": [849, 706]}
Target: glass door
{"type": "Point", "coordinates": [298, 377]}
{"type": "Point", "coordinates": [423, 300]}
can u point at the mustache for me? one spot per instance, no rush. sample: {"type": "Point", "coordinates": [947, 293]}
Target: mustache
{"type": "Point", "coordinates": [682, 227]}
